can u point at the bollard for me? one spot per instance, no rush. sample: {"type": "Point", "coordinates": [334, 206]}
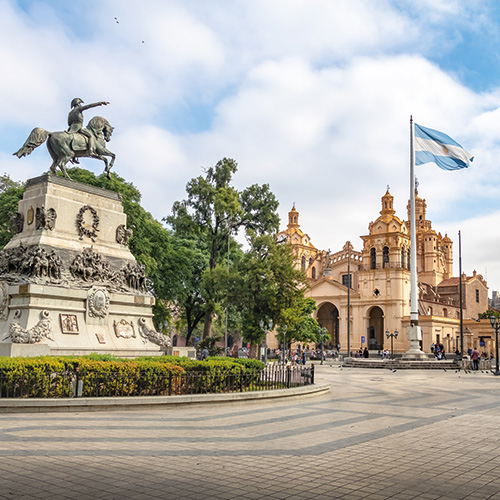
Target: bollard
{"type": "Point", "coordinates": [312, 373]}
{"type": "Point", "coordinates": [78, 387]}
{"type": "Point", "coordinates": [241, 379]}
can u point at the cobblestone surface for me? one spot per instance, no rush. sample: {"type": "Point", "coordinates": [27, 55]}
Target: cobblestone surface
{"type": "Point", "coordinates": [377, 435]}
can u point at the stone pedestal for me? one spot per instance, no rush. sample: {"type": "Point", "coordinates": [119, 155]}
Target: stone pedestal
{"type": "Point", "coordinates": [68, 281]}
{"type": "Point", "coordinates": [414, 353]}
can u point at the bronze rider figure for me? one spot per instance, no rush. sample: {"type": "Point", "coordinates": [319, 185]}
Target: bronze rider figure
{"type": "Point", "coordinates": [75, 121]}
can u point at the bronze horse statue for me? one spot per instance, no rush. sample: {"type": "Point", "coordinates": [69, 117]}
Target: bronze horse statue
{"type": "Point", "coordinates": [67, 146]}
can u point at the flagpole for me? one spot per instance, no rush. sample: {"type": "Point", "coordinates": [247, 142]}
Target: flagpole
{"type": "Point", "coordinates": [349, 300]}
{"type": "Point", "coordinates": [461, 301]}
{"type": "Point", "coordinates": [413, 232]}
{"type": "Point", "coordinates": [414, 331]}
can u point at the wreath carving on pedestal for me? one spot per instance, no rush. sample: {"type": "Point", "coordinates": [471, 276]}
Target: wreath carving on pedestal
{"type": "Point", "coordinates": [84, 227]}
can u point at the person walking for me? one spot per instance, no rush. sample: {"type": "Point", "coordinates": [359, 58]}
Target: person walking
{"type": "Point", "coordinates": [475, 359]}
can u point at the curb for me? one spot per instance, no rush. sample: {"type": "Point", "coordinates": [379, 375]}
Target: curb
{"type": "Point", "coordinates": [38, 405]}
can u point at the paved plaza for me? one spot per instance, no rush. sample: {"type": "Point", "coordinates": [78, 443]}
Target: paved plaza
{"type": "Point", "coordinates": [377, 434]}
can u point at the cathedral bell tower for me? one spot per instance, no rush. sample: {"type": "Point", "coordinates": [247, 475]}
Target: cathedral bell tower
{"type": "Point", "coordinates": [293, 218]}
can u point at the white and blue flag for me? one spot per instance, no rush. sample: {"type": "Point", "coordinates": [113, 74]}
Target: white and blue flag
{"type": "Point", "coordinates": [433, 146]}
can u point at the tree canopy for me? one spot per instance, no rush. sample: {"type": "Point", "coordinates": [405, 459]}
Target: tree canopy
{"type": "Point", "coordinates": [213, 211]}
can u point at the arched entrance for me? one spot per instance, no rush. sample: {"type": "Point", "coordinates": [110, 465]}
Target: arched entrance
{"type": "Point", "coordinates": [375, 333]}
{"type": "Point", "coordinates": [328, 317]}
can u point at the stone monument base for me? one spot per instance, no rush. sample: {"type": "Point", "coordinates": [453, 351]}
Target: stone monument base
{"type": "Point", "coordinates": [69, 284]}
{"type": "Point", "coordinates": [24, 350]}
{"type": "Point", "coordinates": [66, 325]}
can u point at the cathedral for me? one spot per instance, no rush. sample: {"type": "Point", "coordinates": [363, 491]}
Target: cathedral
{"type": "Point", "coordinates": [374, 284]}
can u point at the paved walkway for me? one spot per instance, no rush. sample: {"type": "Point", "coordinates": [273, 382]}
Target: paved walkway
{"type": "Point", "coordinates": [378, 434]}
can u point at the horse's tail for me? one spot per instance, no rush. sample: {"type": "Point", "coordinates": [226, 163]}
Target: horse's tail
{"type": "Point", "coordinates": [38, 136]}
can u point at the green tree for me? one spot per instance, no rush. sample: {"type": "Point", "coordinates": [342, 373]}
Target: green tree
{"type": "Point", "coordinates": [10, 194]}
{"type": "Point", "coordinates": [270, 287]}
{"type": "Point", "coordinates": [213, 211]}
{"type": "Point", "coordinates": [488, 314]}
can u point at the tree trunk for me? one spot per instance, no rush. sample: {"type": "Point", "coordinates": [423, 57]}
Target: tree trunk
{"type": "Point", "coordinates": [207, 326]}
{"type": "Point", "coordinates": [254, 351]}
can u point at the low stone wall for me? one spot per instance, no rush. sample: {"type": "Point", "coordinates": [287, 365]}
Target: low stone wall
{"type": "Point", "coordinates": [431, 364]}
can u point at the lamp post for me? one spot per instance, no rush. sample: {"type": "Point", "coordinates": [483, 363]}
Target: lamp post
{"type": "Point", "coordinates": [283, 329]}
{"type": "Point", "coordinates": [322, 332]}
{"type": "Point", "coordinates": [392, 336]}
{"type": "Point", "coordinates": [266, 329]}
{"type": "Point", "coordinates": [496, 325]}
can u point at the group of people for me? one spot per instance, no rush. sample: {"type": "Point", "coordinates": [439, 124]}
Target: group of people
{"type": "Point", "coordinates": [384, 354]}
{"type": "Point", "coordinates": [438, 351]}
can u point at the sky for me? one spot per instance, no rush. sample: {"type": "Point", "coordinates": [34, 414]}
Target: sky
{"type": "Point", "coordinates": [312, 97]}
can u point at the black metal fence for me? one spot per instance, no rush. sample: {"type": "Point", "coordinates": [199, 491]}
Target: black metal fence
{"type": "Point", "coordinates": [92, 384]}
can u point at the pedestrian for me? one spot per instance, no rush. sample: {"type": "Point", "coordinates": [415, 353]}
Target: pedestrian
{"type": "Point", "coordinates": [475, 356]}
{"type": "Point", "coordinates": [366, 353]}
{"type": "Point", "coordinates": [443, 354]}
{"type": "Point", "coordinates": [437, 352]}
{"type": "Point", "coordinates": [304, 357]}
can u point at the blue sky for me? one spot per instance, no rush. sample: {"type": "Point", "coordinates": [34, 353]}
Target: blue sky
{"type": "Point", "coordinates": [310, 96]}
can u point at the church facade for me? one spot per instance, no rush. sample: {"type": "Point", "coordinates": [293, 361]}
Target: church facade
{"type": "Point", "coordinates": [375, 284]}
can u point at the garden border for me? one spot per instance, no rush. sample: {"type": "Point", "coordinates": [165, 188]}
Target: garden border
{"type": "Point", "coordinates": [41, 405]}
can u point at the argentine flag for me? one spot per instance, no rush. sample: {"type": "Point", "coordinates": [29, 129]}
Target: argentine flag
{"type": "Point", "coordinates": [434, 146]}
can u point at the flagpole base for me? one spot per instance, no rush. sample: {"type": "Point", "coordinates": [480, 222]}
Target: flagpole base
{"type": "Point", "coordinates": [414, 353]}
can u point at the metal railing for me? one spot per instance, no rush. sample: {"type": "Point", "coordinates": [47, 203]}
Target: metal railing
{"type": "Point", "coordinates": [91, 384]}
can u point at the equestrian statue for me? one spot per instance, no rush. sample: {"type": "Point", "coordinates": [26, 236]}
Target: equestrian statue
{"type": "Point", "coordinates": [77, 142]}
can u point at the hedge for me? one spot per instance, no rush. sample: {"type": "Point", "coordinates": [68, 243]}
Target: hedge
{"type": "Point", "coordinates": [106, 375]}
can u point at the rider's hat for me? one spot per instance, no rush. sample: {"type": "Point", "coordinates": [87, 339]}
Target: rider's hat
{"type": "Point", "coordinates": [76, 101]}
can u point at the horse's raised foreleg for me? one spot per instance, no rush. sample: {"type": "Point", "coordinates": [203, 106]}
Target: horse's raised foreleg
{"type": "Point", "coordinates": [104, 152]}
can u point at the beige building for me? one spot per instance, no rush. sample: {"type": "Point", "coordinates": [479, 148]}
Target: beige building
{"type": "Point", "coordinates": [379, 276]}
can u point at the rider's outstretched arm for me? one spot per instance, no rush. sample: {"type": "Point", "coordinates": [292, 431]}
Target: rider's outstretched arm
{"type": "Point", "coordinates": [94, 105]}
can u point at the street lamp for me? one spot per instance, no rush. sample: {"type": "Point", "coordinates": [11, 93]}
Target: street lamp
{"type": "Point", "coordinates": [496, 325]}
{"type": "Point", "coordinates": [392, 336]}
{"type": "Point", "coordinates": [266, 329]}
{"type": "Point", "coordinates": [322, 332]}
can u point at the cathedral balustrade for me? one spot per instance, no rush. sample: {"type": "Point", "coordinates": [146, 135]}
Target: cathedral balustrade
{"type": "Point", "coordinates": [382, 265]}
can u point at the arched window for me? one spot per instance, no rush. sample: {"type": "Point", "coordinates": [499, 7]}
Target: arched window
{"type": "Point", "coordinates": [403, 255]}
{"type": "Point", "coordinates": [313, 273]}
{"type": "Point", "coordinates": [445, 312]}
{"type": "Point", "coordinates": [303, 263]}
{"type": "Point", "coordinates": [408, 261]}
{"type": "Point", "coordinates": [373, 258]}
{"type": "Point", "coordinates": [174, 341]}
{"type": "Point", "coordinates": [385, 256]}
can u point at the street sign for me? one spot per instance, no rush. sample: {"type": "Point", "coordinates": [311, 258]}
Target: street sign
{"type": "Point", "coordinates": [362, 339]}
